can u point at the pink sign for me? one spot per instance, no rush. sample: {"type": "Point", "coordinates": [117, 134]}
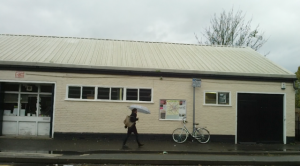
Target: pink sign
{"type": "Point", "coordinates": [19, 74]}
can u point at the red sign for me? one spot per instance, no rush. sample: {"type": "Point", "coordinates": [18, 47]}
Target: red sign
{"type": "Point", "coordinates": [19, 74]}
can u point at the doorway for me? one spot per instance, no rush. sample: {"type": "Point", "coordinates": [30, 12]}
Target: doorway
{"type": "Point", "coordinates": [27, 108]}
{"type": "Point", "coordinates": [260, 118]}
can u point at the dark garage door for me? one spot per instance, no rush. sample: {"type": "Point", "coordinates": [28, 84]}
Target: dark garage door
{"type": "Point", "coordinates": [260, 118]}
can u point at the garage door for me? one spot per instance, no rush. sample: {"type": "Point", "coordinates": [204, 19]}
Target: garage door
{"type": "Point", "coordinates": [260, 118]}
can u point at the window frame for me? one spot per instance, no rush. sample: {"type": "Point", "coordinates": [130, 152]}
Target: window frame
{"type": "Point", "coordinates": [110, 88]}
{"type": "Point", "coordinates": [109, 93]}
{"type": "Point", "coordinates": [217, 98]}
{"type": "Point", "coordinates": [87, 86]}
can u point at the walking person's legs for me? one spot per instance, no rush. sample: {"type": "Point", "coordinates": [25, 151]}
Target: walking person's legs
{"type": "Point", "coordinates": [127, 136]}
{"type": "Point", "coordinates": [137, 136]}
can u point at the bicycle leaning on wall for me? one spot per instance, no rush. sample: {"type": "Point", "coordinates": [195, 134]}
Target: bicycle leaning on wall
{"type": "Point", "coordinates": [180, 135]}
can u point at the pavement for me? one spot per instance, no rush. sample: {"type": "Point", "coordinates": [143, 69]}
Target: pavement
{"type": "Point", "coordinates": [104, 151]}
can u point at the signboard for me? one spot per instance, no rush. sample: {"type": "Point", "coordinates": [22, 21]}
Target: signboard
{"type": "Point", "coordinates": [172, 109]}
{"type": "Point", "coordinates": [19, 74]}
{"type": "Point", "coordinates": [196, 82]}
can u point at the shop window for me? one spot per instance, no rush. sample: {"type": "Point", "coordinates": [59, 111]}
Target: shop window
{"type": "Point", "coordinates": [117, 93]}
{"type": "Point", "coordinates": [28, 105]}
{"type": "Point", "coordinates": [88, 92]}
{"type": "Point", "coordinates": [24, 102]}
{"type": "Point", "coordinates": [45, 105]}
{"type": "Point", "coordinates": [14, 87]}
{"type": "Point", "coordinates": [131, 94]}
{"type": "Point", "coordinates": [10, 104]}
{"type": "Point", "coordinates": [145, 95]}
{"type": "Point", "coordinates": [74, 92]}
{"type": "Point", "coordinates": [172, 109]}
{"type": "Point", "coordinates": [29, 88]}
{"type": "Point", "coordinates": [217, 98]}
{"type": "Point", "coordinates": [46, 88]}
{"type": "Point", "coordinates": [103, 93]}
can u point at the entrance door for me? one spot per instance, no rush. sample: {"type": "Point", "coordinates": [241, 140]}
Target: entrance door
{"type": "Point", "coordinates": [260, 118]}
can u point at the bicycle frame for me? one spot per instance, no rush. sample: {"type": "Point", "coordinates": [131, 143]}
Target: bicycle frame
{"type": "Point", "coordinates": [191, 134]}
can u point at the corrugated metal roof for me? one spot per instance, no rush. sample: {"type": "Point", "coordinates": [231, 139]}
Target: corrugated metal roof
{"type": "Point", "coordinates": [135, 55]}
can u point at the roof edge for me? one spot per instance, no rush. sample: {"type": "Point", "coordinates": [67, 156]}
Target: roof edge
{"type": "Point", "coordinates": [158, 70]}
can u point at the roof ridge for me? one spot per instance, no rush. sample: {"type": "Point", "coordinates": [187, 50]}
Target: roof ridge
{"type": "Point", "coordinates": [125, 40]}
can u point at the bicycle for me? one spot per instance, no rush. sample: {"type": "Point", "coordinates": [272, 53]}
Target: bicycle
{"type": "Point", "coordinates": [180, 135]}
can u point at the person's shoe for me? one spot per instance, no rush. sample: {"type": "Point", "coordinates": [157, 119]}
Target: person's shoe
{"type": "Point", "coordinates": [141, 145]}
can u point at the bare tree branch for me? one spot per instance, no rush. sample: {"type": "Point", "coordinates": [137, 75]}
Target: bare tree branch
{"type": "Point", "coordinates": [231, 29]}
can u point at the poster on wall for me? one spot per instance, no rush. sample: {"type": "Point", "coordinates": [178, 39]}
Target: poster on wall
{"type": "Point", "coordinates": [172, 109]}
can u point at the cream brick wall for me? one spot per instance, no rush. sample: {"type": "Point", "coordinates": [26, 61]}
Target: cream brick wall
{"type": "Point", "coordinates": [107, 117]}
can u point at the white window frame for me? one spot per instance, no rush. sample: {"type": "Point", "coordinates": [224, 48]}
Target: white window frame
{"type": "Point", "coordinates": [81, 90]}
{"type": "Point", "coordinates": [109, 100]}
{"type": "Point", "coordinates": [217, 98]}
{"type": "Point", "coordinates": [109, 95]}
{"type": "Point", "coordinates": [67, 92]}
{"type": "Point", "coordinates": [138, 94]}
{"type": "Point", "coordinates": [122, 96]}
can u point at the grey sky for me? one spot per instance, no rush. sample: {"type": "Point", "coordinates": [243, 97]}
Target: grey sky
{"type": "Point", "coordinates": [154, 20]}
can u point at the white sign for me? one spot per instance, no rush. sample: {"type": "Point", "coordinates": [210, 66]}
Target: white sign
{"type": "Point", "coordinates": [196, 82]}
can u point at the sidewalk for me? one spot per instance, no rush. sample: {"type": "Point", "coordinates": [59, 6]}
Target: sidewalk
{"type": "Point", "coordinates": [153, 152]}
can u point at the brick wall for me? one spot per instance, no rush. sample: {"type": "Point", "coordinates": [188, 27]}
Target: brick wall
{"type": "Point", "coordinates": [107, 117]}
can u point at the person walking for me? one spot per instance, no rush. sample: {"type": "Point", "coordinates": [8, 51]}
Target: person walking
{"type": "Point", "coordinates": [133, 129]}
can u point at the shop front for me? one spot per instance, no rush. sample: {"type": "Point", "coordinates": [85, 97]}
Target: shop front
{"type": "Point", "coordinates": [27, 108]}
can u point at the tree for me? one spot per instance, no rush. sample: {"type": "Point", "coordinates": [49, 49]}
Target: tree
{"type": "Point", "coordinates": [231, 29]}
{"type": "Point", "coordinates": [297, 84]}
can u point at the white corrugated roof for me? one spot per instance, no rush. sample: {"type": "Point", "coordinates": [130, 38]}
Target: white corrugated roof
{"type": "Point", "coordinates": [135, 55]}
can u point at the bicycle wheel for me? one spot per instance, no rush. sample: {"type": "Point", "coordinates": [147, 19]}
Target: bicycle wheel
{"type": "Point", "coordinates": [180, 135]}
{"type": "Point", "coordinates": [202, 135]}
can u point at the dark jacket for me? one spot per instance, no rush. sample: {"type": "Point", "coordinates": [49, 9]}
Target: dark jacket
{"type": "Point", "coordinates": [133, 117]}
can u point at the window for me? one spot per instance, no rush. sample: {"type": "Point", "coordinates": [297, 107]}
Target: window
{"type": "Point", "coordinates": [103, 93]}
{"type": "Point", "coordinates": [145, 95]}
{"type": "Point", "coordinates": [217, 98]}
{"type": "Point", "coordinates": [28, 99]}
{"type": "Point", "coordinates": [172, 109]}
{"type": "Point", "coordinates": [88, 92]}
{"type": "Point", "coordinates": [46, 88]}
{"type": "Point", "coordinates": [131, 94]}
{"type": "Point", "coordinates": [116, 93]}
{"type": "Point", "coordinates": [29, 88]}
{"type": "Point", "coordinates": [11, 87]}
{"type": "Point", "coordinates": [74, 92]}
{"type": "Point", "coordinates": [109, 93]}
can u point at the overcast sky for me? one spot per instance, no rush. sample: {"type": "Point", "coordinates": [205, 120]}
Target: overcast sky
{"type": "Point", "coordinates": [154, 20]}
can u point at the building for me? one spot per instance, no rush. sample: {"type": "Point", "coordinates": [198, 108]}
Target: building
{"type": "Point", "coordinates": [58, 86]}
